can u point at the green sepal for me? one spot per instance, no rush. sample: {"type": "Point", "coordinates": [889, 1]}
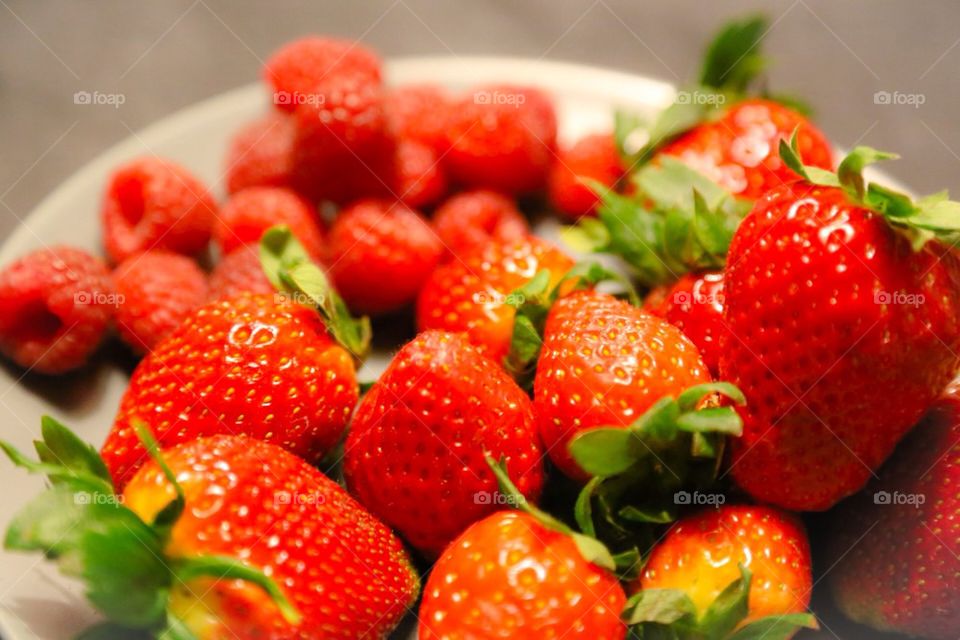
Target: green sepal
{"type": "Point", "coordinates": [290, 269]}
{"type": "Point", "coordinates": [776, 627]}
{"type": "Point", "coordinates": [648, 516]}
{"type": "Point", "coordinates": [165, 519]}
{"type": "Point", "coordinates": [114, 631]}
{"type": "Point", "coordinates": [733, 60]}
{"type": "Point", "coordinates": [729, 608]}
{"type": "Point", "coordinates": [175, 630]}
{"type": "Point", "coordinates": [667, 607]}
{"type": "Point", "coordinates": [590, 548]}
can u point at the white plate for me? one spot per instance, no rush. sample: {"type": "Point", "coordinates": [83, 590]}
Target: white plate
{"type": "Point", "coordinates": [35, 603]}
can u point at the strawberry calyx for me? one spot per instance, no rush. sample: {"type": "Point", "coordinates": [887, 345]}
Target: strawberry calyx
{"type": "Point", "coordinates": [671, 613]}
{"type": "Point", "coordinates": [931, 217]}
{"type": "Point", "coordinates": [590, 548]}
{"type": "Point", "coordinates": [82, 524]}
{"type": "Point", "coordinates": [533, 301]}
{"type": "Point", "coordinates": [290, 269]}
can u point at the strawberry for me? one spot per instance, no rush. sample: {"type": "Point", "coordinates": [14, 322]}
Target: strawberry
{"type": "Point", "coordinates": [593, 157]}
{"type": "Point", "coordinates": [237, 272]}
{"type": "Point", "coordinates": [418, 113]}
{"type": "Point", "coordinates": [247, 214]}
{"type": "Point", "coordinates": [474, 218]}
{"type": "Point", "coordinates": [501, 137]}
{"type": "Point", "coordinates": [522, 574]}
{"type": "Point", "coordinates": [156, 291]}
{"type": "Point", "coordinates": [473, 294]}
{"type": "Point", "coordinates": [694, 304]}
{"type": "Point", "coordinates": [220, 537]}
{"type": "Point", "coordinates": [603, 363]}
{"type": "Point", "coordinates": [260, 153]}
{"type": "Point", "coordinates": [380, 253]}
{"type": "Point", "coordinates": [842, 329]}
{"type": "Point", "coordinates": [415, 453]}
{"type": "Point", "coordinates": [727, 569]}
{"type": "Point", "coordinates": [896, 545]}
{"type": "Point", "coordinates": [261, 365]}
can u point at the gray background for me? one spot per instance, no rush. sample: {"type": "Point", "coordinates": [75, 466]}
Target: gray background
{"type": "Point", "coordinates": [163, 55]}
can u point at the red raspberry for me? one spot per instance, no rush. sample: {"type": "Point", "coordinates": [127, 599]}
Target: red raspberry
{"type": "Point", "coordinates": [502, 138]}
{"type": "Point", "coordinates": [249, 213]}
{"type": "Point", "coordinates": [419, 180]}
{"type": "Point", "coordinates": [419, 112]}
{"type": "Point", "coordinates": [298, 68]}
{"type": "Point", "coordinates": [57, 306]}
{"type": "Point", "coordinates": [341, 148]}
{"type": "Point", "coordinates": [156, 204]}
{"type": "Point", "coordinates": [594, 157]}
{"type": "Point", "coordinates": [474, 218]}
{"type": "Point", "coordinates": [238, 272]}
{"type": "Point", "coordinates": [260, 153]}
{"type": "Point", "coordinates": [380, 254]}
{"type": "Point", "coordinates": [156, 291]}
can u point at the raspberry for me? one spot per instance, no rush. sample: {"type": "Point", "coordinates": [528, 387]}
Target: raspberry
{"type": "Point", "coordinates": [380, 254]}
{"type": "Point", "coordinates": [260, 153]}
{"type": "Point", "coordinates": [156, 204]}
{"type": "Point", "coordinates": [419, 113]}
{"type": "Point", "coordinates": [474, 218]}
{"type": "Point", "coordinates": [341, 149]}
{"type": "Point", "coordinates": [249, 213]}
{"type": "Point", "coordinates": [594, 157]}
{"type": "Point", "coordinates": [239, 272]}
{"type": "Point", "coordinates": [298, 68]}
{"type": "Point", "coordinates": [418, 179]}
{"type": "Point", "coordinates": [57, 306]}
{"type": "Point", "coordinates": [502, 138]}
{"type": "Point", "coordinates": [156, 291]}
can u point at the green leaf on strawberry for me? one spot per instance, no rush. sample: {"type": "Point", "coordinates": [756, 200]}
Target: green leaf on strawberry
{"type": "Point", "coordinates": [290, 269]}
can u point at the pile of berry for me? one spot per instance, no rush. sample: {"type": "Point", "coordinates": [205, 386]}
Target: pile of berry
{"type": "Point", "coordinates": [559, 450]}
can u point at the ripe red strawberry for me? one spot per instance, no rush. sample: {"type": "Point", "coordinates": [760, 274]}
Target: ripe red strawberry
{"type": "Point", "coordinates": [222, 537]}
{"type": "Point", "coordinates": [342, 150]}
{"type": "Point", "coordinates": [238, 272]}
{"type": "Point", "coordinates": [501, 137]}
{"type": "Point", "coordinates": [155, 204]}
{"type": "Point", "coordinates": [842, 330]}
{"type": "Point", "coordinates": [418, 178]}
{"type": "Point", "coordinates": [57, 306]}
{"type": "Point", "coordinates": [415, 453]}
{"type": "Point", "coordinates": [260, 153]}
{"type": "Point", "coordinates": [472, 294]}
{"type": "Point", "coordinates": [257, 365]}
{"type": "Point", "coordinates": [249, 213]}
{"type": "Point", "coordinates": [740, 150]}
{"type": "Point", "coordinates": [298, 68]}
{"type": "Point", "coordinates": [509, 576]}
{"type": "Point", "coordinates": [694, 304]}
{"type": "Point", "coordinates": [704, 554]}
{"type": "Point", "coordinates": [156, 291]}
{"type": "Point", "coordinates": [593, 157]}
{"type": "Point", "coordinates": [897, 545]}
{"type": "Point", "coordinates": [473, 218]}
{"type": "Point", "coordinates": [418, 113]}
{"type": "Point", "coordinates": [603, 363]}
{"type": "Point", "coordinates": [379, 255]}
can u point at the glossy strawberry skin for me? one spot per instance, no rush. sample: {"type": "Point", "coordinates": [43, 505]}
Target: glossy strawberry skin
{"type": "Point", "coordinates": [415, 453]}
{"type": "Point", "coordinates": [471, 294]}
{"type": "Point", "coordinates": [253, 365]}
{"type": "Point", "coordinates": [700, 553]}
{"type": "Point", "coordinates": [694, 304]}
{"type": "Point", "coordinates": [248, 214]}
{"type": "Point", "coordinates": [593, 157]}
{"type": "Point", "coordinates": [603, 363]}
{"type": "Point", "coordinates": [739, 150]}
{"type": "Point", "coordinates": [897, 544]}
{"type": "Point", "coordinates": [508, 576]}
{"type": "Point", "coordinates": [253, 501]}
{"type": "Point", "coordinates": [840, 336]}
{"type": "Point", "coordinates": [471, 219]}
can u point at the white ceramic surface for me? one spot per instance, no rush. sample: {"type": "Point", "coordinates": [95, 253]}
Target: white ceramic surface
{"type": "Point", "coordinates": [37, 604]}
